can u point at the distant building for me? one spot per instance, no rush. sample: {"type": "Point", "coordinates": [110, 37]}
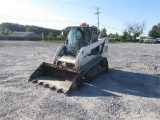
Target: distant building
{"type": "Point", "coordinates": [22, 36]}
{"type": "Point", "coordinates": [3, 37]}
{"type": "Point", "coordinates": [158, 40]}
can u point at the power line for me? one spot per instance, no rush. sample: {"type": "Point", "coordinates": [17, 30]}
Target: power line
{"type": "Point", "coordinates": [114, 16]}
{"type": "Point", "coordinates": [70, 3]}
{"type": "Point", "coordinates": [39, 20]}
{"type": "Point", "coordinates": [111, 27]}
{"type": "Point", "coordinates": [41, 13]}
{"type": "Point", "coordinates": [74, 22]}
{"type": "Point", "coordinates": [91, 7]}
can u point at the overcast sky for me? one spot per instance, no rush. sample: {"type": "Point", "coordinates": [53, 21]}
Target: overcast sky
{"type": "Point", "coordinates": [58, 14]}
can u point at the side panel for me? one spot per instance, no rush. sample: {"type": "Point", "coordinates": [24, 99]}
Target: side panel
{"type": "Point", "coordinates": [105, 49]}
{"type": "Point", "coordinates": [85, 55]}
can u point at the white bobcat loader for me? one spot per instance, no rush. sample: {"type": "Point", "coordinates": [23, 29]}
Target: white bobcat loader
{"type": "Point", "coordinates": [79, 60]}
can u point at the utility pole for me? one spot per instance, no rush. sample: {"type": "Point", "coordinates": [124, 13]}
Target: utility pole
{"type": "Point", "coordinates": [97, 17]}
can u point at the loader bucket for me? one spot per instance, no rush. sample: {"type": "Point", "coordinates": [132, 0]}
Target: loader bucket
{"type": "Point", "coordinates": [49, 75]}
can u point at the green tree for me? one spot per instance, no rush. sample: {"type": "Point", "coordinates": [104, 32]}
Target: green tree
{"type": "Point", "coordinates": [64, 33]}
{"type": "Point", "coordinates": [103, 33]}
{"type": "Point", "coordinates": [125, 36]}
{"type": "Point", "coordinates": [5, 31]}
{"type": "Point", "coordinates": [111, 35]}
{"type": "Point", "coordinates": [117, 37]}
{"type": "Point", "coordinates": [135, 28]}
{"type": "Point", "coordinates": [30, 29]}
{"type": "Point", "coordinates": [60, 36]}
{"type": "Point", "coordinates": [51, 35]}
{"type": "Point", "coordinates": [155, 31]}
{"type": "Point", "coordinates": [2, 31]}
{"type": "Point", "coordinates": [158, 30]}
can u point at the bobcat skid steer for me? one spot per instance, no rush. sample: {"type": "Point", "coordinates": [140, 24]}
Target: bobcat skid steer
{"type": "Point", "coordinates": [79, 60]}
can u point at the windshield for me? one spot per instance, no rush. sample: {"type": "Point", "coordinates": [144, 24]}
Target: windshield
{"type": "Point", "coordinates": [74, 41]}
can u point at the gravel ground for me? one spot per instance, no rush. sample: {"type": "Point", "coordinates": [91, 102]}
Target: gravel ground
{"type": "Point", "coordinates": [130, 90]}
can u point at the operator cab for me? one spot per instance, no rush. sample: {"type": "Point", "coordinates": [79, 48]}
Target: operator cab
{"type": "Point", "coordinates": [78, 37]}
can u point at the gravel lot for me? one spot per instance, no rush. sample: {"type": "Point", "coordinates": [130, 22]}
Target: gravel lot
{"type": "Point", "coordinates": [130, 90]}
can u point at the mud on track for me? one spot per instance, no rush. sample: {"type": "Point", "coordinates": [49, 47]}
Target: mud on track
{"type": "Point", "coordinates": [130, 90]}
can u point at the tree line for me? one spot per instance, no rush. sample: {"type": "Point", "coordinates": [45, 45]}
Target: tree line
{"type": "Point", "coordinates": [8, 28]}
{"type": "Point", "coordinates": [131, 31]}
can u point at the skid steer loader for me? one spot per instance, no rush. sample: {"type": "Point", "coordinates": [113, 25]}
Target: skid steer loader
{"type": "Point", "coordinates": [79, 60]}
